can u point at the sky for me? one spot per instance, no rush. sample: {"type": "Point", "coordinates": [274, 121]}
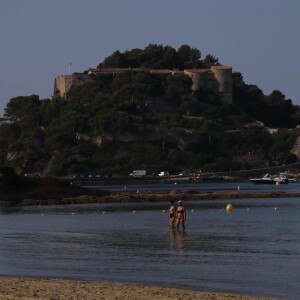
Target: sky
{"type": "Point", "coordinates": [39, 38]}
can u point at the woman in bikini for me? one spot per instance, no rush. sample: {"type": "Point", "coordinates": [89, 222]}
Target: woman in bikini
{"type": "Point", "coordinates": [180, 215]}
{"type": "Point", "coordinates": [172, 211]}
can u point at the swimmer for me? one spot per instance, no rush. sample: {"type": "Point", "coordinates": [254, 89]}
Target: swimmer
{"type": "Point", "coordinates": [180, 215]}
{"type": "Point", "coordinates": [172, 211]}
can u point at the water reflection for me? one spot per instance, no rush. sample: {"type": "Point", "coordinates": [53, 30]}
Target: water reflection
{"type": "Point", "coordinates": [177, 239]}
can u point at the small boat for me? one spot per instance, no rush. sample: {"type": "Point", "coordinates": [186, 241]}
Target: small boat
{"type": "Point", "coordinates": [293, 180]}
{"type": "Point", "coordinates": [281, 179]}
{"type": "Point", "coordinates": [268, 179]}
{"type": "Point", "coordinates": [290, 179]}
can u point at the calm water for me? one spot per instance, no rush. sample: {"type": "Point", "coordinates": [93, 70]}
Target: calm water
{"type": "Point", "coordinates": [207, 187]}
{"type": "Point", "coordinates": [253, 250]}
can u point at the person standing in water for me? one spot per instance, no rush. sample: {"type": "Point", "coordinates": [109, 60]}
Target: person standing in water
{"type": "Point", "coordinates": [172, 211]}
{"type": "Point", "coordinates": [180, 215]}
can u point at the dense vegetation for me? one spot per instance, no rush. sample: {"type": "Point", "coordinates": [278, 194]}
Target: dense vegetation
{"type": "Point", "coordinates": [117, 123]}
{"type": "Point", "coordinates": [159, 57]}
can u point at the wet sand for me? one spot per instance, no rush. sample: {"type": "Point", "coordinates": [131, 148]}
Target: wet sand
{"type": "Point", "coordinates": [13, 288]}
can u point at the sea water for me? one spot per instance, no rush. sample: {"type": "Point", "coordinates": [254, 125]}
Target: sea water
{"type": "Point", "coordinates": [253, 250]}
{"type": "Point", "coordinates": [201, 187]}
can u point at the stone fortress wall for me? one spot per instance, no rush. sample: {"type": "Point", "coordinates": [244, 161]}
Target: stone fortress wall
{"type": "Point", "coordinates": [223, 76]}
{"type": "Point", "coordinates": [63, 83]}
{"type": "Point", "coordinates": [217, 79]}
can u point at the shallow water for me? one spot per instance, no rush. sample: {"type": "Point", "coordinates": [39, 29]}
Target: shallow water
{"type": "Point", "coordinates": [255, 249]}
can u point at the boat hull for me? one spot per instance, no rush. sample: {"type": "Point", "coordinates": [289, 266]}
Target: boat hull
{"type": "Point", "coordinates": [263, 181]}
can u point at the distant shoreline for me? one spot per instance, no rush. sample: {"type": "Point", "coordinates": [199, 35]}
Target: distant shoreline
{"type": "Point", "coordinates": [142, 196]}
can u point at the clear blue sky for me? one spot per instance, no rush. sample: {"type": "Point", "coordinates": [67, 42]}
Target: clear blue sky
{"type": "Point", "coordinates": [259, 38]}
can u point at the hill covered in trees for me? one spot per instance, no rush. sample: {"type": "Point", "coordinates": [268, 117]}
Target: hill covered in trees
{"type": "Point", "coordinates": [119, 122]}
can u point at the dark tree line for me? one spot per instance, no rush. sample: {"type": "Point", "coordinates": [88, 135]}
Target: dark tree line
{"type": "Point", "coordinates": [160, 57]}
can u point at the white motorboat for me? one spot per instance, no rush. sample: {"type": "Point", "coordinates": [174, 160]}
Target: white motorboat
{"type": "Point", "coordinates": [268, 179]}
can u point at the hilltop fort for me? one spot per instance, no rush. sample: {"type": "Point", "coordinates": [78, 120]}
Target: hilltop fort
{"type": "Point", "coordinates": [217, 79]}
{"type": "Point", "coordinates": [154, 109]}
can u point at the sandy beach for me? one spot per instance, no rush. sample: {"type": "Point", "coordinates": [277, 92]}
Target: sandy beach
{"type": "Point", "coordinates": [13, 288]}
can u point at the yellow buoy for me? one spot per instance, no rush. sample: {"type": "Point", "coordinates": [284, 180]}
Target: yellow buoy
{"type": "Point", "coordinates": [229, 207]}
{"type": "Point", "coordinates": [238, 188]}
{"type": "Point", "coordinates": [277, 183]}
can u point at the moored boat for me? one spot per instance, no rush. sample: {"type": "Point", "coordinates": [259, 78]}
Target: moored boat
{"type": "Point", "coordinates": [268, 179]}
{"type": "Point", "coordinates": [290, 179]}
{"type": "Point", "coordinates": [293, 180]}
